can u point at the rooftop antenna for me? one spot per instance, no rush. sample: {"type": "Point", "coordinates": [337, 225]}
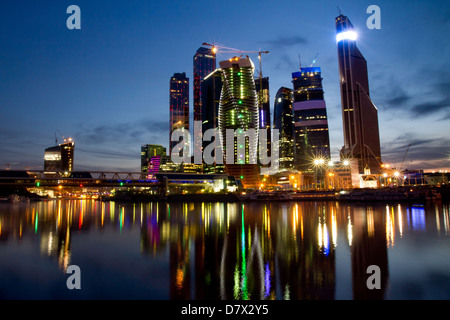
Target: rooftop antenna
{"type": "Point", "coordinates": [339, 11]}
{"type": "Point", "coordinates": [299, 62]}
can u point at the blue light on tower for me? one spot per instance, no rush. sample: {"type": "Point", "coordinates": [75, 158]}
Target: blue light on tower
{"type": "Point", "coordinates": [346, 35]}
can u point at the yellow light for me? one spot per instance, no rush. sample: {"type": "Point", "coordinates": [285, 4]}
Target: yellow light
{"type": "Point", "coordinates": [214, 49]}
{"type": "Point", "coordinates": [396, 173]}
{"type": "Point", "coordinates": [346, 162]}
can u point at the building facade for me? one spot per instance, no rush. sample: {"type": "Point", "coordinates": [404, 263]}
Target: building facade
{"type": "Point", "coordinates": [359, 114]}
{"type": "Point", "coordinates": [59, 159]}
{"type": "Point", "coordinates": [211, 90]}
{"type": "Point", "coordinates": [179, 107]}
{"type": "Point", "coordinates": [238, 111]}
{"type": "Point", "coordinates": [311, 136]}
{"type": "Point", "coordinates": [262, 90]}
{"type": "Point", "coordinates": [283, 121]}
{"type": "Point", "coordinates": [148, 151]}
{"type": "Point", "coordinates": [204, 62]}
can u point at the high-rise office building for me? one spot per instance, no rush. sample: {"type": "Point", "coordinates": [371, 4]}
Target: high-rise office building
{"type": "Point", "coordinates": [204, 64]}
{"type": "Point", "coordinates": [262, 90]}
{"type": "Point", "coordinates": [211, 90]}
{"type": "Point", "coordinates": [359, 114]}
{"type": "Point", "coordinates": [238, 110]}
{"type": "Point", "coordinates": [60, 158]}
{"type": "Point", "coordinates": [148, 151]}
{"type": "Point", "coordinates": [179, 107]}
{"type": "Point", "coordinates": [312, 141]}
{"type": "Point", "coordinates": [283, 121]}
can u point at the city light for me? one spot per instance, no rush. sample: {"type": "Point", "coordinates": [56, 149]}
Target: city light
{"type": "Point", "coordinates": [346, 35]}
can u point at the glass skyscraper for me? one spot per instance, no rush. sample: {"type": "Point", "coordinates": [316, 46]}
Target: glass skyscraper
{"type": "Point", "coordinates": [283, 120]}
{"type": "Point", "coordinates": [312, 141]}
{"type": "Point", "coordinates": [359, 114]}
{"type": "Point", "coordinates": [238, 110]}
{"type": "Point", "coordinates": [204, 63]}
{"type": "Point", "coordinates": [211, 90]}
{"type": "Point", "coordinates": [262, 90]}
{"type": "Point", "coordinates": [179, 106]}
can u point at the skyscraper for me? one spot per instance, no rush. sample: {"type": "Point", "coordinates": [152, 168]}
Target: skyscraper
{"type": "Point", "coordinates": [179, 106]}
{"type": "Point", "coordinates": [60, 158]}
{"type": "Point", "coordinates": [211, 90]}
{"type": "Point", "coordinates": [359, 114]}
{"type": "Point", "coordinates": [204, 64]}
{"type": "Point", "coordinates": [262, 90]}
{"type": "Point", "coordinates": [238, 110]}
{"type": "Point", "coordinates": [283, 121]}
{"type": "Point", "coordinates": [311, 135]}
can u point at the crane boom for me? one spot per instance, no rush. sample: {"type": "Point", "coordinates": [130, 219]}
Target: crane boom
{"type": "Point", "coordinates": [404, 157]}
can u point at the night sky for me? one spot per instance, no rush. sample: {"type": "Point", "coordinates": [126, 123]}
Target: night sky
{"type": "Point", "coordinates": [107, 85]}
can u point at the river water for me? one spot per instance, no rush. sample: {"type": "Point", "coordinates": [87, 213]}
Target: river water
{"type": "Point", "coordinates": [278, 250]}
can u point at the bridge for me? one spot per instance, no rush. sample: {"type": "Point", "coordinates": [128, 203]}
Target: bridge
{"type": "Point", "coordinates": [114, 179]}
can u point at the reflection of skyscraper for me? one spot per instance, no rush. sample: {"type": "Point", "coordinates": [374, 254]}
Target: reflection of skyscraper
{"type": "Point", "coordinates": [179, 105]}
{"type": "Point", "coordinates": [369, 248]}
{"type": "Point", "coordinates": [310, 117]}
{"type": "Point", "coordinates": [204, 64]}
{"type": "Point", "coordinates": [283, 121]}
{"type": "Point", "coordinates": [359, 114]}
{"type": "Point", "coordinates": [238, 111]}
{"type": "Point", "coordinates": [60, 158]}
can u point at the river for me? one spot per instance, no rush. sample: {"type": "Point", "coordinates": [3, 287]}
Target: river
{"type": "Point", "coordinates": [254, 250]}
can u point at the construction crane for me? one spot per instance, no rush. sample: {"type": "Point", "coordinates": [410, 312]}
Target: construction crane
{"type": "Point", "coordinates": [404, 157]}
{"type": "Point", "coordinates": [314, 60]}
{"type": "Point", "coordinates": [221, 49]}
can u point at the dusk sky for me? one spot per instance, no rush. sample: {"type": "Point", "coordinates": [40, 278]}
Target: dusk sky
{"type": "Point", "coordinates": [107, 85]}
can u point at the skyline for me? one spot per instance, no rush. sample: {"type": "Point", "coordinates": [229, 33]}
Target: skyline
{"type": "Point", "coordinates": [115, 72]}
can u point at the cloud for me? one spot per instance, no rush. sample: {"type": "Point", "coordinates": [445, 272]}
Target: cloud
{"type": "Point", "coordinates": [123, 132]}
{"type": "Point", "coordinates": [423, 153]}
{"type": "Point", "coordinates": [284, 41]}
{"type": "Point", "coordinates": [427, 108]}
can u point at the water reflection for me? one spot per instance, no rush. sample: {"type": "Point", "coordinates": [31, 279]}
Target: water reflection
{"type": "Point", "coordinates": [235, 250]}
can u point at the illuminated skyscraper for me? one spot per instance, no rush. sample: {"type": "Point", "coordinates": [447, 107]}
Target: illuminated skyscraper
{"type": "Point", "coordinates": [312, 139]}
{"type": "Point", "coordinates": [60, 158]}
{"type": "Point", "coordinates": [204, 64]}
{"type": "Point", "coordinates": [179, 106]}
{"type": "Point", "coordinates": [262, 90]}
{"type": "Point", "coordinates": [359, 114]}
{"type": "Point", "coordinates": [283, 120]}
{"type": "Point", "coordinates": [238, 110]}
{"type": "Point", "coordinates": [211, 90]}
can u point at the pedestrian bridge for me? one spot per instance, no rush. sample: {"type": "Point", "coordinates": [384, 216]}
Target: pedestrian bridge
{"type": "Point", "coordinates": [39, 178]}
